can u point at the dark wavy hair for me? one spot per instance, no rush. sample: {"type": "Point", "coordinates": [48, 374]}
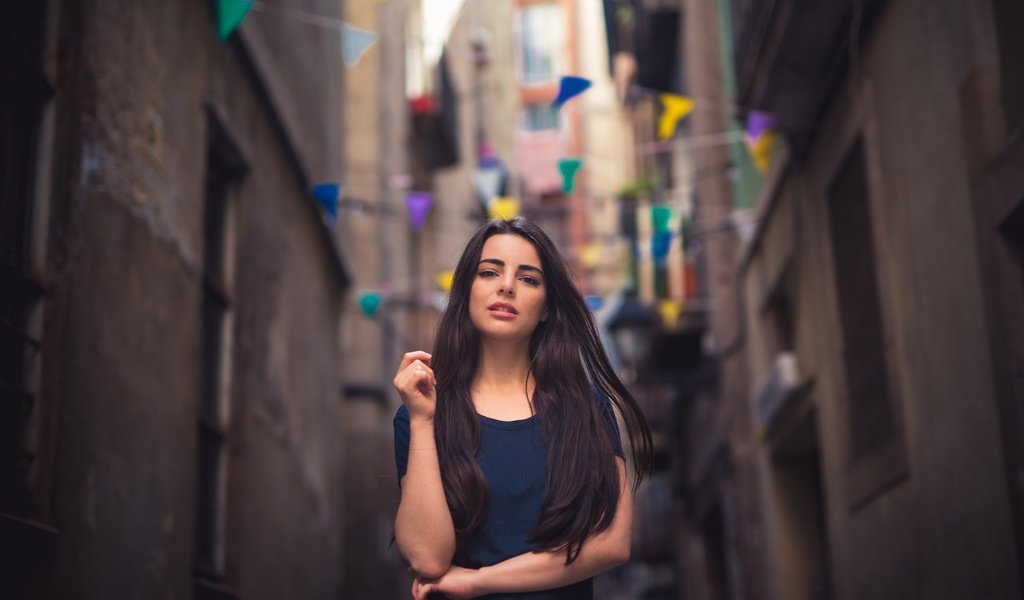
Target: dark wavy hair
{"type": "Point", "coordinates": [567, 361]}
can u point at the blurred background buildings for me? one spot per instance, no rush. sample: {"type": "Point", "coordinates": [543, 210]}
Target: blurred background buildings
{"type": "Point", "coordinates": [814, 281]}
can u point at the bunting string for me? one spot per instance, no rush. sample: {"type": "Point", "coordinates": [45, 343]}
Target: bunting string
{"type": "Point", "coordinates": [300, 15]}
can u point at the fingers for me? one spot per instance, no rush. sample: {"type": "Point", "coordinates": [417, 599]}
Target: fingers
{"type": "Point", "coordinates": [415, 372]}
{"type": "Point", "coordinates": [409, 357]}
{"type": "Point", "coordinates": [415, 376]}
{"type": "Point", "coordinates": [420, 589]}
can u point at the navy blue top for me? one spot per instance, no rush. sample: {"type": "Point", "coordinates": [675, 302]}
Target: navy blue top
{"type": "Point", "coordinates": [514, 463]}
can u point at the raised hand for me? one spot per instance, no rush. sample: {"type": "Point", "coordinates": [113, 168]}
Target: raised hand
{"type": "Point", "coordinates": [415, 382]}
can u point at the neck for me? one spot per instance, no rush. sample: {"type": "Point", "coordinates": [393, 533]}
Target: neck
{"type": "Point", "coordinates": [502, 367]}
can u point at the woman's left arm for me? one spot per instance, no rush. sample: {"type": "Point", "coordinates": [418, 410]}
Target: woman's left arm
{"type": "Point", "coordinates": [544, 570]}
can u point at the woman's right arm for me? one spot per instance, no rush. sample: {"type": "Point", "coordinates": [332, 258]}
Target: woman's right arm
{"type": "Point", "coordinates": [423, 527]}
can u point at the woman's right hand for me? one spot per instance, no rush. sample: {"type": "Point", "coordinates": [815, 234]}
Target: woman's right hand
{"type": "Point", "coordinates": [415, 382]}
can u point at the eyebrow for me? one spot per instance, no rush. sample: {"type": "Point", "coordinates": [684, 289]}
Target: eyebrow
{"type": "Point", "coordinates": [501, 263]}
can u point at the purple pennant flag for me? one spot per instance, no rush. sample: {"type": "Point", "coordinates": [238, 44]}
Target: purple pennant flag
{"type": "Point", "coordinates": [757, 123]}
{"type": "Point", "coordinates": [418, 204]}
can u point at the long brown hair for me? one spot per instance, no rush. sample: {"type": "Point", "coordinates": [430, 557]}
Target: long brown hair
{"type": "Point", "coordinates": [567, 362]}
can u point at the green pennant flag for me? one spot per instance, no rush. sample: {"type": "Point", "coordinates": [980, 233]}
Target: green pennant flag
{"type": "Point", "coordinates": [230, 14]}
{"type": "Point", "coordinates": [568, 167]}
{"type": "Point", "coordinates": [369, 302]}
{"type": "Point", "coordinates": [660, 217]}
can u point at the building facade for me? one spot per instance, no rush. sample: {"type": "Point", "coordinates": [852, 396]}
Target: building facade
{"type": "Point", "coordinates": [172, 299]}
{"type": "Point", "coordinates": [861, 435]}
{"type": "Point", "coordinates": [879, 351]}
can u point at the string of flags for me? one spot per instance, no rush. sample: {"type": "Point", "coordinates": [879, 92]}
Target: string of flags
{"type": "Point", "coordinates": [354, 41]}
{"type": "Point", "coordinates": [329, 198]}
{"type": "Point", "coordinates": [760, 138]}
{"type": "Point", "coordinates": [372, 300]}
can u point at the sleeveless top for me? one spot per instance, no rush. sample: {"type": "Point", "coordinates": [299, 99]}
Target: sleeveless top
{"type": "Point", "coordinates": [513, 460]}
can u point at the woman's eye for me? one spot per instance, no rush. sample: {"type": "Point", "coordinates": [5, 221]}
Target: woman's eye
{"type": "Point", "coordinates": [527, 279]}
{"type": "Point", "coordinates": [487, 273]}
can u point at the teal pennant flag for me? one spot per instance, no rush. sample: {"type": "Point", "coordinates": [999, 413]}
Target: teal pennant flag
{"type": "Point", "coordinates": [661, 215]}
{"type": "Point", "coordinates": [230, 14]}
{"type": "Point", "coordinates": [568, 167]}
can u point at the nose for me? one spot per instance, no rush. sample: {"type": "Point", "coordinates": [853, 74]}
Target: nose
{"type": "Point", "coordinates": [508, 287]}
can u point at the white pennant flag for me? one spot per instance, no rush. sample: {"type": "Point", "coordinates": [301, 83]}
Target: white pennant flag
{"type": "Point", "coordinates": [355, 42]}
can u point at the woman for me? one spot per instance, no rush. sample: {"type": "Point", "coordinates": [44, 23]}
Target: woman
{"type": "Point", "coordinates": [513, 481]}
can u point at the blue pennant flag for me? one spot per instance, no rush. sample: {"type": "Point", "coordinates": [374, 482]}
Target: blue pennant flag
{"type": "Point", "coordinates": [660, 243]}
{"type": "Point", "coordinates": [327, 195]}
{"type": "Point", "coordinates": [569, 87]}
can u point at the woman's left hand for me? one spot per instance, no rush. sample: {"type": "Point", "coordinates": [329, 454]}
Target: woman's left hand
{"type": "Point", "coordinates": [456, 584]}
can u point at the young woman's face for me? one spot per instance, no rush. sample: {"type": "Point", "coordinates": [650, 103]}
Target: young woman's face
{"type": "Point", "coordinates": [508, 296]}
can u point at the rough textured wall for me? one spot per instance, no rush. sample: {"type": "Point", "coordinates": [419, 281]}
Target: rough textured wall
{"type": "Point", "coordinates": [943, 532]}
{"type": "Point", "coordinates": [128, 365]}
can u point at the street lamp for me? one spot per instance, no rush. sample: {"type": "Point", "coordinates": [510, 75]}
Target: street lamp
{"type": "Point", "coordinates": [632, 329]}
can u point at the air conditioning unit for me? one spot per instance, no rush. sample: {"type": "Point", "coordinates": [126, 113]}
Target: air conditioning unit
{"type": "Point", "coordinates": [782, 381]}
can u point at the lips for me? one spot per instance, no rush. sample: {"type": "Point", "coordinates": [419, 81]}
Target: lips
{"type": "Point", "coordinates": [501, 307]}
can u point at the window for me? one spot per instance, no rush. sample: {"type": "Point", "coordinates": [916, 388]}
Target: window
{"type": "Point", "coordinates": [871, 419]}
{"type": "Point", "coordinates": [540, 117]}
{"type": "Point", "coordinates": [223, 169]}
{"type": "Point", "coordinates": [779, 314]}
{"type": "Point", "coordinates": [21, 110]}
{"type": "Point", "coordinates": [875, 450]}
{"type": "Point", "coordinates": [541, 43]}
{"type": "Point", "coordinates": [1012, 230]}
{"type": "Point", "coordinates": [1009, 17]}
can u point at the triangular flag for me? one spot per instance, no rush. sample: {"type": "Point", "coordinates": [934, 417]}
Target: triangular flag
{"type": "Point", "coordinates": [568, 167]}
{"type": "Point", "coordinates": [660, 243]}
{"type": "Point", "coordinates": [568, 87]}
{"type": "Point", "coordinates": [487, 181]}
{"type": "Point", "coordinates": [669, 310]}
{"type": "Point", "coordinates": [758, 123]}
{"type": "Point", "coordinates": [369, 302]}
{"type": "Point", "coordinates": [590, 255]}
{"type": "Point", "coordinates": [503, 208]}
{"type": "Point", "coordinates": [418, 204]}
{"type": "Point", "coordinates": [327, 195]}
{"type": "Point", "coordinates": [444, 280]}
{"type": "Point", "coordinates": [594, 302]}
{"type": "Point", "coordinates": [230, 14]}
{"type": "Point", "coordinates": [761, 151]}
{"type": "Point", "coordinates": [354, 42]}
{"type": "Point", "coordinates": [675, 108]}
{"type": "Point", "coordinates": [660, 217]}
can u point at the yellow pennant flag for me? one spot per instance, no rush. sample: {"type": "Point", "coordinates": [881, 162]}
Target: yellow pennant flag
{"type": "Point", "coordinates": [503, 207]}
{"type": "Point", "coordinates": [675, 108]}
{"type": "Point", "coordinates": [444, 280]}
{"type": "Point", "coordinates": [590, 255]}
{"type": "Point", "coordinates": [761, 150]}
{"type": "Point", "coordinates": [670, 310]}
